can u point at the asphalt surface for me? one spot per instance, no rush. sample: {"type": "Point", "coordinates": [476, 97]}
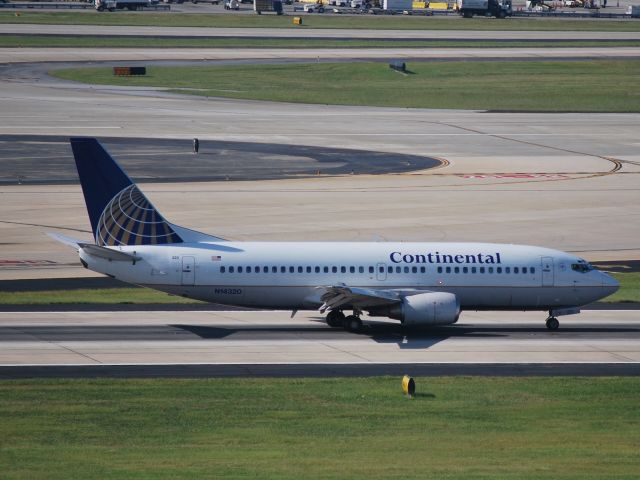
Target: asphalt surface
{"type": "Point", "coordinates": [30, 55]}
{"type": "Point", "coordinates": [319, 370]}
{"type": "Point", "coordinates": [320, 33]}
{"type": "Point", "coordinates": [48, 160]}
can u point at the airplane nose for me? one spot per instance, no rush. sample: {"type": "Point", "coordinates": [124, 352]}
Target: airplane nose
{"type": "Point", "coordinates": [609, 284]}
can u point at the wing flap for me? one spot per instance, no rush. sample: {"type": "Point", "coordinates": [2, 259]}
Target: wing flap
{"type": "Point", "coordinates": [336, 296]}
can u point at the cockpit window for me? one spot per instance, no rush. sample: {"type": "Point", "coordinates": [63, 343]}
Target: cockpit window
{"type": "Point", "coordinates": [581, 266]}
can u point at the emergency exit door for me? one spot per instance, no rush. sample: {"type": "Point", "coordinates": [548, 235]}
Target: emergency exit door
{"type": "Point", "coordinates": [547, 271]}
{"type": "Point", "coordinates": [188, 270]}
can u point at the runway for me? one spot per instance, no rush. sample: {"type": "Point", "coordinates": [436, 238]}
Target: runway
{"type": "Point", "coordinates": [321, 33]}
{"type": "Point", "coordinates": [566, 181]}
{"type": "Point", "coordinates": [223, 343]}
{"type": "Point", "coordinates": [29, 55]}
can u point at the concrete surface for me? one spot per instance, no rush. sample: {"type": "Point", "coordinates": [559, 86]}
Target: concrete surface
{"type": "Point", "coordinates": [203, 32]}
{"type": "Point", "coordinates": [226, 337]}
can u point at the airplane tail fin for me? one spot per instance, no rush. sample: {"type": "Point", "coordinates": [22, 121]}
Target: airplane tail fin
{"type": "Point", "coordinates": [120, 213]}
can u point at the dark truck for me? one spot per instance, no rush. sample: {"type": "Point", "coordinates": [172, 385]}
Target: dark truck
{"type": "Point", "coordinates": [486, 8]}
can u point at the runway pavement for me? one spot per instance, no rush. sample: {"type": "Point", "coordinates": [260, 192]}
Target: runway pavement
{"type": "Point", "coordinates": [226, 343]}
{"type": "Point", "coordinates": [322, 33]}
{"type": "Point", "coordinates": [566, 181]}
{"type": "Point", "coordinates": [29, 54]}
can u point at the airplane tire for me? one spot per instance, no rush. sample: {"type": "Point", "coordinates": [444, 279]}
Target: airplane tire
{"type": "Point", "coordinates": [552, 323]}
{"type": "Point", "coordinates": [353, 324]}
{"type": "Point", "coordinates": [335, 318]}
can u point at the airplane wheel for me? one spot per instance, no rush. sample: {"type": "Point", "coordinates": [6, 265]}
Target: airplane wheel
{"type": "Point", "coordinates": [335, 318]}
{"type": "Point", "coordinates": [552, 323]}
{"type": "Point", "coordinates": [353, 324]}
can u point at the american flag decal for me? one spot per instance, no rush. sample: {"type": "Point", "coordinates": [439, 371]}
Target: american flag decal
{"type": "Point", "coordinates": [216, 258]}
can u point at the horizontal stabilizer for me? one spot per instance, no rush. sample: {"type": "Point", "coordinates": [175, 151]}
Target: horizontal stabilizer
{"type": "Point", "coordinates": [68, 241]}
{"type": "Point", "coordinates": [108, 253]}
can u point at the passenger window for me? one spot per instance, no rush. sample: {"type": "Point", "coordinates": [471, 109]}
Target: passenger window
{"type": "Point", "coordinates": [507, 269]}
{"type": "Point", "coordinates": [308, 269]}
{"type": "Point", "coordinates": [239, 269]}
{"type": "Point", "coordinates": [352, 269]}
{"type": "Point", "coordinates": [292, 270]}
{"type": "Point", "coordinates": [222, 269]}
{"type": "Point", "coordinates": [274, 269]}
{"type": "Point", "coordinates": [515, 270]}
{"type": "Point", "coordinates": [524, 269]}
{"type": "Point", "coordinates": [361, 269]}
{"type": "Point", "coordinates": [343, 269]}
{"type": "Point", "coordinates": [283, 269]}
{"type": "Point", "coordinates": [456, 270]}
{"type": "Point", "coordinates": [439, 269]}
{"type": "Point", "coordinates": [465, 269]}
{"type": "Point", "coordinates": [473, 269]}
{"type": "Point", "coordinates": [448, 269]}
{"type": "Point", "coordinates": [498, 269]}
{"type": "Point", "coordinates": [300, 269]}
{"type": "Point", "coordinates": [406, 269]}
{"type": "Point", "coordinates": [390, 269]}
{"type": "Point", "coordinates": [423, 269]}
{"type": "Point", "coordinates": [490, 269]}
{"type": "Point", "coordinates": [532, 270]}
{"type": "Point", "coordinates": [317, 269]}
{"type": "Point", "coordinates": [414, 269]}
{"type": "Point", "coordinates": [325, 269]}
{"type": "Point", "coordinates": [381, 269]}
{"type": "Point", "coordinates": [257, 269]}
{"type": "Point", "coordinates": [398, 269]}
{"type": "Point", "coordinates": [231, 269]}
{"type": "Point", "coordinates": [334, 269]}
{"type": "Point", "coordinates": [371, 270]}
{"type": "Point", "coordinates": [265, 269]}
{"type": "Point", "coordinates": [481, 269]}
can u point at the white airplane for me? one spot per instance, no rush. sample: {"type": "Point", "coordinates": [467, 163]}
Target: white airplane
{"type": "Point", "coordinates": [416, 283]}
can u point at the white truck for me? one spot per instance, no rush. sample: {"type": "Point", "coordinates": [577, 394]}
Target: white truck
{"type": "Point", "coordinates": [112, 5]}
{"type": "Point", "coordinates": [486, 8]}
{"type": "Point", "coordinates": [397, 4]}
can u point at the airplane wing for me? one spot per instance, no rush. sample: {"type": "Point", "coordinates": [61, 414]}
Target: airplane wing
{"type": "Point", "coordinates": [336, 296]}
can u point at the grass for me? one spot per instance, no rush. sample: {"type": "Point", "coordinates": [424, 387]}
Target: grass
{"type": "Point", "coordinates": [629, 288]}
{"type": "Point", "coordinates": [455, 428]}
{"type": "Point", "coordinates": [24, 41]}
{"type": "Point", "coordinates": [629, 292]}
{"type": "Point", "coordinates": [127, 295]}
{"type": "Point", "coordinates": [557, 86]}
{"type": "Point", "coordinates": [396, 22]}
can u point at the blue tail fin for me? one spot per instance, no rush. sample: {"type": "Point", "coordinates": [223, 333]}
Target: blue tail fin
{"type": "Point", "coordinates": [120, 214]}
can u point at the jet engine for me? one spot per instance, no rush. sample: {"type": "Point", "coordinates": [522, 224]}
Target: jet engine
{"type": "Point", "coordinates": [432, 308]}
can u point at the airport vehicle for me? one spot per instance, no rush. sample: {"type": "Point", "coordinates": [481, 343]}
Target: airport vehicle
{"type": "Point", "coordinates": [231, 5]}
{"type": "Point", "coordinates": [313, 7]}
{"type": "Point", "coordinates": [112, 5]}
{"type": "Point", "coordinates": [495, 8]}
{"type": "Point", "coordinates": [260, 6]}
{"type": "Point", "coordinates": [416, 283]}
{"type": "Point", "coordinates": [397, 4]}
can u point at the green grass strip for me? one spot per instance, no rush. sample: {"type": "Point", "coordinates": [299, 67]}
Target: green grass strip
{"type": "Point", "coordinates": [23, 41]}
{"type": "Point", "coordinates": [330, 428]}
{"type": "Point", "coordinates": [550, 86]}
{"type": "Point", "coordinates": [396, 22]}
{"type": "Point", "coordinates": [127, 295]}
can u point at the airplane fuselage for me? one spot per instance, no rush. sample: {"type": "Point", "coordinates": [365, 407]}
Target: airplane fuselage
{"type": "Point", "coordinates": [482, 276]}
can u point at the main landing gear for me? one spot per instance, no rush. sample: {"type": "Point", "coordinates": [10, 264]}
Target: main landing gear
{"type": "Point", "coordinates": [351, 323]}
{"type": "Point", "coordinates": [552, 323]}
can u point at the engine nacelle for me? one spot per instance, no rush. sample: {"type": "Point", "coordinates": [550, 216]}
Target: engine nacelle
{"type": "Point", "coordinates": [431, 308]}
